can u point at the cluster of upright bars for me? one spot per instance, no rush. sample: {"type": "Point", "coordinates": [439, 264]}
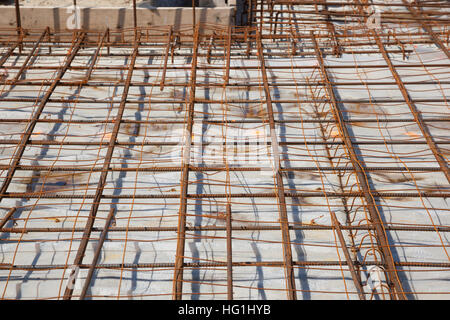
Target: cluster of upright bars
{"type": "Point", "coordinates": [350, 211]}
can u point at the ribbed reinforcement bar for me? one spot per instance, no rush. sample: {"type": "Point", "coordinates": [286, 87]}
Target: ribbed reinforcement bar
{"type": "Point", "coordinates": [181, 233]}
{"type": "Point", "coordinates": [415, 112]}
{"type": "Point", "coordinates": [33, 121]}
{"type": "Point", "coordinates": [369, 197]}
{"type": "Point", "coordinates": [287, 250]}
{"type": "Point", "coordinates": [102, 181]}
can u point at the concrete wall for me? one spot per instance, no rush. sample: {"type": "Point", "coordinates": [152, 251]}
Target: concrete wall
{"type": "Point", "coordinates": [101, 18]}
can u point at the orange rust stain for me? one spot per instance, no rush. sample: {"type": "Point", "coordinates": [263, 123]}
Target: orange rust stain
{"type": "Point", "coordinates": [313, 221]}
{"type": "Point", "coordinates": [412, 134]}
{"type": "Point", "coordinates": [56, 220]}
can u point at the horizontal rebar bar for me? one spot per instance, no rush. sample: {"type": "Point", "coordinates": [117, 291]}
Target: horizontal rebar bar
{"type": "Point", "coordinates": [51, 195]}
{"type": "Point", "coordinates": [211, 121]}
{"type": "Point", "coordinates": [219, 228]}
{"type": "Point", "coordinates": [278, 264]}
{"type": "Point", "coordinates": [88, 168]}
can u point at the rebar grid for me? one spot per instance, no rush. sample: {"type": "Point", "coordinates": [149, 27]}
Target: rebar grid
{"type": "Point", "coordinates": [133, 162]}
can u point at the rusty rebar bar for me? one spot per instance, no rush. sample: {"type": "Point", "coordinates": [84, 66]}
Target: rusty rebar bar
{"type": "Point", "coordinates": [181, 234]}
{"type": "Point", "coordinates": [415, 112]}
{"type": "Point", "coordinates": [229, 230]}
{"type": "Point", "coordinates": [107, 162]}
{"type": "Point", "coordinates": [287, 250]}
{"type": "Point", "coordinates": [95, 259]}
{"type": "Point", "coordinates": [362, 180]}
{"type": "Point", "coordinates": [33, 121]}
{"type": "Point", "coordinates": [351, 266]}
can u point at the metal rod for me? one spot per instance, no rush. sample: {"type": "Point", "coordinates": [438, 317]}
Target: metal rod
{"type": "Point", "coordinates": [166, 58]}
{"type": "Point", "coordinates": [201, 100]}
{"type": "Point", "coordinates": [229, 229]}
{"type": "Point", "coordinates": [33, 121]}
{"type": "Point", "coordinates": [281, 143]}
{"type": "Point", "coordinates": [95, 57]}
{"type": "Point", "coordinates": [18, 20]}
{"type": "Point", "coordinates": [306, 194]}
{"type": "Point", "coordinates": [134, 15]}
{"type": "Point", "coordinates": [351, 266]}
{"type": "Point", "coordinates": [276, 264]}
{"type": "Point", "coordinates": [225, 121]}
{"type": "Point", "coordinates": [415, 112]}
{"type": "Point", "coordinates": [296, 227]}
{"type": "Point", "coordinates": [369, 196]}
{"type": "Point", "coordinates": [211, 85]}
{"type": "Point", "coordinates": [95, 259]}
{"type": "Point", "coordinates": [7, 217]}
{"type": "Point", "coordinates": [102, 181]}
{"type": "Point", "coordinates": [332, 31]}
{"type": "Point", "coordinates": [27, 59]}
{"type": "Point", "coordinates": [181, 236]}
{"type": "Point", "coordinates": [228, 58]}
{"type": "Point", "coordinates": [287, 250]}
{"type": "Point", "coordinates": [216, 168]}
{"type": "Point", "coordinates": [8, 53]}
